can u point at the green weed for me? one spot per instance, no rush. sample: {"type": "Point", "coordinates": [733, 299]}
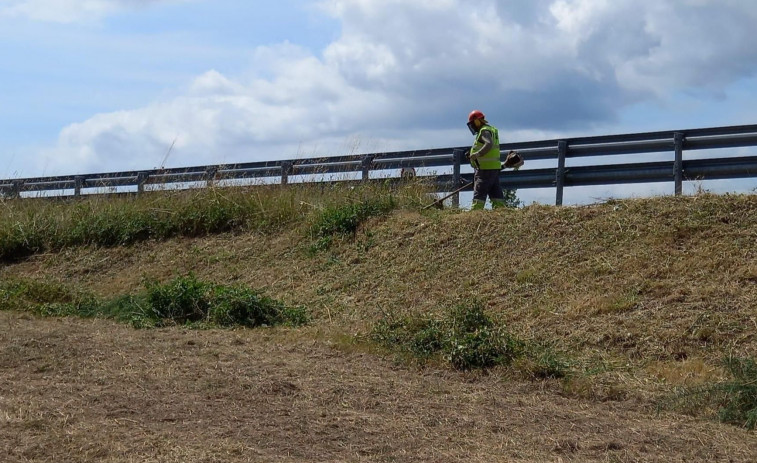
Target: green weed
{"type": "Point", "coordinates": [465, 337]}
{"type": "Point", "coordinates": [182, 301]}
{"type": "Point", "coordinates": [345, 219]}
{"type": "Point", "coordinates": [189, 300]}
{"type": "Point", "coordinates": [733, 401]}
{"type": "Point", "coordinates": [739, 396]}
{"type": "Point", "coordinates": [42, 297]}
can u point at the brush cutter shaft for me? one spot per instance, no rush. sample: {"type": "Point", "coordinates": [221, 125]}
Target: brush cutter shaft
{"type": "Point", "coordinates": [441, 200]}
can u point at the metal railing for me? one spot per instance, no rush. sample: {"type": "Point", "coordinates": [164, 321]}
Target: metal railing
{"type": "Point", "coordinates": [676, 170]}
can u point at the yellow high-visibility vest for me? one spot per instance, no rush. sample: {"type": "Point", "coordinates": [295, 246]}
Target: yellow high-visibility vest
{"type": "Point", "coordinates": [491, 159]}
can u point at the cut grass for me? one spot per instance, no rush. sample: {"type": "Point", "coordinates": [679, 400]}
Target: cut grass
{"type": "Point", "coordinates": [633, 291]}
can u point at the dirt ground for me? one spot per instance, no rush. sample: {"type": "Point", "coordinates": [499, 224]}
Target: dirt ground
{"type": "Point", "coordinates": [75, 390]}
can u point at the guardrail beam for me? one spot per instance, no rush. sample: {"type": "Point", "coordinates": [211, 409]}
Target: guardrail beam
{"type": "Point", "coordinates": [677, 171]}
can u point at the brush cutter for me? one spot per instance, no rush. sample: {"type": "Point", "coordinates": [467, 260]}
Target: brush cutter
{"type": "Point", "coordinates": [513, 160]}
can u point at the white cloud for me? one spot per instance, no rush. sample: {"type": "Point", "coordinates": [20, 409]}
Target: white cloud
{"type": "Point", "coordinates": [400, 69]}
{"type": "Point", "coordinates": [68, 11]}
{"type": "Point", "coordinates": [218, 120]}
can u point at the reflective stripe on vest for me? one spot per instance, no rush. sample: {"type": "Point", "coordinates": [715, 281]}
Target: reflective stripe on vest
{"type": "Point", "coordinates": [491, 159]}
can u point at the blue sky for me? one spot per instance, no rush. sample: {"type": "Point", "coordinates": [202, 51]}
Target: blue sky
{"type": "Point", "coordinates": [107, 85]}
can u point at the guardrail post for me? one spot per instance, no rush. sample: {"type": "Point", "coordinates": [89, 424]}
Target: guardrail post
{"type": "Point", "coordinates": [210, 176]}
{"type": "Point", "coordinates": [678, 164]}
{"type": "Point", "coordinates": [16, 192]}
{"type": "Point", "coordinates": [366, 164]}
{"type": "Point", "coordinates": [141, 180]}
{"type": "Point", "coordinates": [286, 170]}
{"type": "Point", "coordinates": [562, 151]}
{"type": "Point", "coordinates": [457, 160]}
{"type": "Point", "coordinates": [78, 184]}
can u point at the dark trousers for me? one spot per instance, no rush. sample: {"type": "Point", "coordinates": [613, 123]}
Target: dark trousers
{"type": "Point", "coordinates": [486, 183]}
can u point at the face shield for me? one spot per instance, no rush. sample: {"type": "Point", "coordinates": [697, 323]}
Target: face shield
{"type": "Point", "coordinates": [472, 127]}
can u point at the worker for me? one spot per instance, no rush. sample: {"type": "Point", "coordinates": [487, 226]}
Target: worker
{"type": "Point", "coordinates": [485, 159]}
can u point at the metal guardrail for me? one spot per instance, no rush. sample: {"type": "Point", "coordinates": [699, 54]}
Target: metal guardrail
{"type": "Point", "coordinates": [675, 142]}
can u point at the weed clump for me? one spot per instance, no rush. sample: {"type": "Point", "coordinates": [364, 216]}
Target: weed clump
{"type": "Point", "coordinates": [733, 401]}
{"type": "Point", "coordinates": [739, 404]}
{"type": "Point", "coordinates": [183, 301]}
{"type": "Point", "coordinates": [467, 339]}
{"type": "Point", "coordinates": [188, 300]}
{"type": "Point", "coordinates": [345, 219]}
{"type": "Point", "coordinates": [43, 298]}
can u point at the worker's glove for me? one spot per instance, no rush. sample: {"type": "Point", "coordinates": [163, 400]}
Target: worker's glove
{"type": "Point", "coordinates": [466, 155]}
{"type": "Point", "coordinates": [513, 160]}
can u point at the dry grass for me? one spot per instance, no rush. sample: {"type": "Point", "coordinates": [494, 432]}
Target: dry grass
{"type": "Point", "coordinates": [92, 391]}
{"type": "Point", "coordinates": [643, 296]}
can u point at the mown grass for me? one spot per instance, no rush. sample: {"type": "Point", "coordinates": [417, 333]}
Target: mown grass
{"type": "Point", "coordinates": [30, 226]}
{"type": "Point", "coordinates": [183, 301]}
{"type": "Point", "coordinates": [618, 286]}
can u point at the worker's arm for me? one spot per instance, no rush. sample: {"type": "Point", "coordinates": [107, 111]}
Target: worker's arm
{"type": "Point", "coordinates": [486, 137]}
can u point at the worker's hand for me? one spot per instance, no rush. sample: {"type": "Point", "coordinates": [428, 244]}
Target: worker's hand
{"type": "Point", "coordinates": [474, 156]}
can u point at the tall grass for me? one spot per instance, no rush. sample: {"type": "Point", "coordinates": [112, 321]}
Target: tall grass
{"type": "Point", "coordinates": [29, 226]}
{"type": "Point", "coordinates": [345, 219]}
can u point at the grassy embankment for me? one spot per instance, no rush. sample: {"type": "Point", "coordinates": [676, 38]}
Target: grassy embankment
{"type": "Point", "coordinates": [649, 300]}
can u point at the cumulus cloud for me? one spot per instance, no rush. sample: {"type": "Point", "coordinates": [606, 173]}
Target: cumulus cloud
{"type": "Point", "coordinates": [68, 11]}
{"type": "Point", "coordinates": [400, 69]}
{"type": "Point", "coordinates": [219, 120]}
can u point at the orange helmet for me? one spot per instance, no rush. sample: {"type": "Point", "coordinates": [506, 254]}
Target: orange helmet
{"type": "Point", "coordinates": [475, 114]}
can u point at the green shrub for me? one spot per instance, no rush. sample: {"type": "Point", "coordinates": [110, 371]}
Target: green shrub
{"type": "Point", "coordinates": [545, 363]}
{"type": "Point", "coordinates": [482, 348]}
{"type": "Point", "coordinates": [427, 338]}
{"type": "Point", "coordinates": [30, 295]}
{"type": "Point", "coordinates": [242, 306]}
{"type": "Point", "coordinates": [87, 308]}
{"type": "Point", "coordinates": [188, 300]}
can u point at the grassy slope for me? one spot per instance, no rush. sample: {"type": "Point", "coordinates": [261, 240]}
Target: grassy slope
{"type": "Point", "coordinates": [641, 295]}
